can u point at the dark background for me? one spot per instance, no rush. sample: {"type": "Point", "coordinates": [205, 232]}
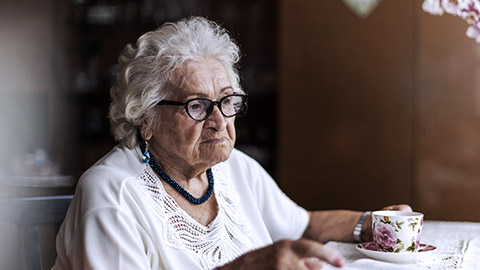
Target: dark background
{"type": "Point", "coordinates": [99, 42]}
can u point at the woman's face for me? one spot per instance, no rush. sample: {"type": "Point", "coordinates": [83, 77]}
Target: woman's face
{"type": "Point", "coordinates": [187, 142]}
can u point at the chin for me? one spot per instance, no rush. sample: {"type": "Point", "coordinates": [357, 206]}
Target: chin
{"type": "Point", "coordinates": [220, 155]}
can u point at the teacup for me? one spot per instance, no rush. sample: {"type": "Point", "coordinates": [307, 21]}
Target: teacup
{"type": "Point", "coordinates": [397, 231]}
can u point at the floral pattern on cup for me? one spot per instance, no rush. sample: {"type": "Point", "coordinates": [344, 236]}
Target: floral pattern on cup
{"type": "Point", "coordinates": [386, 234]}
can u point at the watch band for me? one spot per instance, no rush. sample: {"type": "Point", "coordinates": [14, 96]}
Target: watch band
{"type": "Point", "coordinates": [358, 228]}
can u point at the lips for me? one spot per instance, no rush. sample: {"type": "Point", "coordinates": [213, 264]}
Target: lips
{"type": "Point", "coordinates": [215, 140]}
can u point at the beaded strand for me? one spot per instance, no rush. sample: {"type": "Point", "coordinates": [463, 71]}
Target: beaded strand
{"type": "Point", "coordinates": [151, 161]}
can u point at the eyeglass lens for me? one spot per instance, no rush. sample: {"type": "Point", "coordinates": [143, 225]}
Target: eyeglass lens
{"type": "Point", "coordinates": [200, 109]}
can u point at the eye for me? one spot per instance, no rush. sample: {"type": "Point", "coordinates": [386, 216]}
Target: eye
{"type": "Point", "coordinates": [227, 100]}
{"type": "Point", "coordinates": [197, 106]}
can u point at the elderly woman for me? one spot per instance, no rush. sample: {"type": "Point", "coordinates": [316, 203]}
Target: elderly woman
{"type": "Point", "coordinates": [175, 193]}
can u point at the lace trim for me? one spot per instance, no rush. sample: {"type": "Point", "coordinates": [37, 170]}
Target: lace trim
{"type": "Point", "coordinates": [223, 240]}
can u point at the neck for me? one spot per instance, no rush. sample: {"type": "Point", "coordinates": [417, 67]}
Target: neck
{"type": "Point", "coordinates": [178, 168]}
{"type": "Point", "coordinates": [186, 194]}
{"type": "Point", "coordinates": [197, 185]}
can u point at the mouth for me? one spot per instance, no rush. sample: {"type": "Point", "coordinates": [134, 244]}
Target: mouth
{"type": "Point", "coordinates": [215, 140]}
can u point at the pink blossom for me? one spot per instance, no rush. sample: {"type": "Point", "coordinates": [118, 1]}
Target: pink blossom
{"type": "Point", "coordinates": [474, 32]}
{"type": "Point", "coordinates": [468, 10]}
{"type": "Point", "coordinates": [433, 7]}
{"type": "Point", "coordinates": [384, 235]}
{"type": "Point", "coordinates": [450, 6]}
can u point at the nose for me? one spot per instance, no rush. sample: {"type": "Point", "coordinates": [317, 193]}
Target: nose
{"type": "Point", "coordinates": [216, 119]}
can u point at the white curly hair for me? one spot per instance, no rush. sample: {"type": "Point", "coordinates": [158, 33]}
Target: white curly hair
{"type": "Point", "coordinates": [146, 69]}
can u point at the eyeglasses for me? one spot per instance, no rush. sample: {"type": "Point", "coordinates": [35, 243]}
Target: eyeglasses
{"type": "Point", "coordinates": [200, 109]}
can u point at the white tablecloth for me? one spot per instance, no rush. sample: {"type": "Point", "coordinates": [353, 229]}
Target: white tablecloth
{"type": "Point", "coordinates": [458, 247]}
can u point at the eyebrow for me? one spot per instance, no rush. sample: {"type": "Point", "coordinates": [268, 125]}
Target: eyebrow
{"type": "Point", "coordinates": [224, 89]}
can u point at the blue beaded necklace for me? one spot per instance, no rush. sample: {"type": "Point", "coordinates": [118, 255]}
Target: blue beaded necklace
{"type": "Point", "coordinates": [151, 161]}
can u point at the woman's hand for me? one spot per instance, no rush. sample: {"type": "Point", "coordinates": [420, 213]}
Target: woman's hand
{"type": "Point", "coordinates": [301, 254]}
{"type": "Point", "coordinates": [367, 225]}
{"type": "Point", "coordinates": [399, 207]}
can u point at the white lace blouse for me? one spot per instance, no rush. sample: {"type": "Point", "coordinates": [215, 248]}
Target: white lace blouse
{"type": "Point", "coordinates": [122, 218]}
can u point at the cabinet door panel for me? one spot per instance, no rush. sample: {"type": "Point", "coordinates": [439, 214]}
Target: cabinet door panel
{"type": "Point", "coordinates": [346, 104]}
{"type": "Point", "coordinates": [447, 176]}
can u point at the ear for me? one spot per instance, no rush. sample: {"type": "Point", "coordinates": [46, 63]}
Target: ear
{"type": "Point", "coordinates": [146, 129]}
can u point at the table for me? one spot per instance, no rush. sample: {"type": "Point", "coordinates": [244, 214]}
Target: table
{"type": "Point", "coordinates": [39, 181]}
{"type": "Point", "coordinates": [458, 247]}
{"type": "Point", "coordinates": [31, 186]}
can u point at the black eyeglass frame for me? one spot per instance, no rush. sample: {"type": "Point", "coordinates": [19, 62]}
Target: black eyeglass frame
{"type": "Point", "coordinates": [209, 109]}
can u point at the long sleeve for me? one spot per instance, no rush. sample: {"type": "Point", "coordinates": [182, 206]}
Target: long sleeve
{"type": "Point", "coordinates": [105, 238]}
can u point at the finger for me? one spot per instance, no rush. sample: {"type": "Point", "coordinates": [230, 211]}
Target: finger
{"type": "Point", "coordinates": [313, 263]}
{"type": "Point", "coordinates": [404, 207]}
{"type": "Point", "coordinates": [309, 249]}
{"type": "Point", "coordinates": [399, 207]}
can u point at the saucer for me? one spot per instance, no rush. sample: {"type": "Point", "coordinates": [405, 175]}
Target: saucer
{"type": "Point", "coordinates": [370, 250]}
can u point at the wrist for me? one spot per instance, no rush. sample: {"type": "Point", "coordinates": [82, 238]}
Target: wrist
{"type": "Point", "coordinates": [366, 234]}
{"type": "Point", "coordinates": [360, 232]}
